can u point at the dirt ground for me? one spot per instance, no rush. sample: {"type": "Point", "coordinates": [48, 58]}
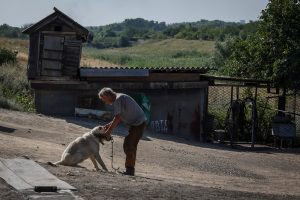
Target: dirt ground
{"type": "Point", "coordinates": [167, 167]}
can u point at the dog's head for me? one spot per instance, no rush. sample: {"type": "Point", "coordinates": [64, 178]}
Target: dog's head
{"type": "Point", "coordinates": [98, 132]}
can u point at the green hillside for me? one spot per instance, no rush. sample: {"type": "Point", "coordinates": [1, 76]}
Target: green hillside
{"type": "Point", "coordinates": [158, 53]}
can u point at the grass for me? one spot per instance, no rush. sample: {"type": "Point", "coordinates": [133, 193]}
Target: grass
{"type": "Point", "coordinates": [14, 44]}
{"type": "Point", "coordinates": [14, 87]}
{"type": "Point", "coordinates": [19, 45]}
{"type": "Point", "coordinates": [158, 53]}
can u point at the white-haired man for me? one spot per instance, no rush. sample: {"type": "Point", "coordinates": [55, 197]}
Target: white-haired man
{"type": "Point", "coordinates": [126, 110]}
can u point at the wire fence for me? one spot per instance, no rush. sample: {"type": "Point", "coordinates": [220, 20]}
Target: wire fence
{"type": "Point", "coordinates": [219, 102]}
{"type": "Point", "coordinates": [293, 106]}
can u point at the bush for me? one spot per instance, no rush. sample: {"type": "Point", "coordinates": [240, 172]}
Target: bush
{"type": "Point", "coordinates": [188, 54]}
{"type": "Point", "coordinates": [14, 88]}
{"type": "Point", "coordinates": [7, 56]}
{"type": "Point", "coordinates": [124, 41]}
{"type": "Point", "coordinates": [9, 104]}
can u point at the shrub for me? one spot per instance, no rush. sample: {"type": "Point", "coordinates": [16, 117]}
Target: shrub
{"type": "Point", "coordinates": [9, 104]}
{"type": "Point", "coordinates": [14, 88]}
{"type": "Point", "coordinates": [7, 56]}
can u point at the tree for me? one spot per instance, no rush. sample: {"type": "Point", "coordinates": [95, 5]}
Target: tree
{"type": "Point", "coordinates": [124, 41]}
{"type": "Point", "coordinates": [280, 30]}
{"type": "Point", "coordinates": [272, 53]}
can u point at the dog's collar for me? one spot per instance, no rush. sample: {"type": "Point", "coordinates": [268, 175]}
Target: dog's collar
{"type": "Point", "coordinates": [98, 136]}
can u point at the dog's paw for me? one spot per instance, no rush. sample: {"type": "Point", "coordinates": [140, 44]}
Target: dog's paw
{"type": "Point", "coordinates": [104, 170]}
{"type": "Point", "coordinates": [26, 157]}
{"type": "Point", "coordinates": [52, 164]}
{"type": "Point", "coordinates": [70, 173]}
{"type": "Point", "coordinates": [96, 169]}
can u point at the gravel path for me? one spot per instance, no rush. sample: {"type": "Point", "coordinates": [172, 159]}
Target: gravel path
{"type": "Point", "coordinates": [167, 167]}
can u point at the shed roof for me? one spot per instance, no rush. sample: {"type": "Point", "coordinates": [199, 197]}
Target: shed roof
{"type": "Point", "coordinates": [58, 15]}
{"type": "Point", "coordinates": [152, 69]}
{"type": "Point", "coordinates": [234, 81]}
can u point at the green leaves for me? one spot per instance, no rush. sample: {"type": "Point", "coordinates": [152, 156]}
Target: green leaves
{"type": "Point", "coordinates": [273, 52]}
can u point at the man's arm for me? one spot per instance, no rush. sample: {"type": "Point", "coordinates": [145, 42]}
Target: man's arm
{"type": "Point", "coordinates": [116, 120]}
{"type": "Point", "coordinates": [106, 126]}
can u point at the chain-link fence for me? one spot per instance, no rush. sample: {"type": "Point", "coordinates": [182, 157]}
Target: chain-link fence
{"type": "Point", "coordinates": [219, 106]}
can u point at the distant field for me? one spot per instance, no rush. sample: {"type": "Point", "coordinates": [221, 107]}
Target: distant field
{"type": "Point", "coordinates": [14, 44]}
{"type": "Point", "coordinates": [149, 54]}
{"type": "Point", "coordinates": [162, 53]}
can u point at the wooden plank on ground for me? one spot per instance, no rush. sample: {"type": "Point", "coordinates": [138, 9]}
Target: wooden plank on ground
{"type": "Point", "coordinates": [24, 173]}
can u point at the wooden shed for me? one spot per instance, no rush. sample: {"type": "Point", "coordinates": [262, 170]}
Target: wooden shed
{"type": "Point", "coordinates": [55, 47]}
{"type": "Point", "coordinates": [177, 99]}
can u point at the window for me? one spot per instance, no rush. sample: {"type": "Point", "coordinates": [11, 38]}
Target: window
{"type": "Point", "coordinates": [58, 28]}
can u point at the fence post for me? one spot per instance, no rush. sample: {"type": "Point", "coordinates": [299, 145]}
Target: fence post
{"type": "Point", "coordinates": [281, 102]}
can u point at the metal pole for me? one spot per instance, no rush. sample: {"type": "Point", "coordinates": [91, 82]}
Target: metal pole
{"type": "Point", "coordinates": [295, 104]}
{"type": "Point", "coordinates": [231, 122]}
{"type": "Point", "coordinates": [231, 95]}
{"type": "Point", "coordinates": [254, 120]}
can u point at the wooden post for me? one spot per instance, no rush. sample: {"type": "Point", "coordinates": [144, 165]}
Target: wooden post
{"type": "Point", "coordinates": [201, 118]}
{"type": "Point", "coordinates": [295, 104]}
{"type": "Point", "coordinates": [231, 95]}
{"type": "Point", "coordinates": [281, 102]}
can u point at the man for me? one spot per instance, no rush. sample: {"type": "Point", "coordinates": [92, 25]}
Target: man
{"type": "Point", "coordinates": [126, 110]}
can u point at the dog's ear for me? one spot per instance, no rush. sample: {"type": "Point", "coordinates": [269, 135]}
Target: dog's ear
{"type": "Point", "coordinates": [101, 129]}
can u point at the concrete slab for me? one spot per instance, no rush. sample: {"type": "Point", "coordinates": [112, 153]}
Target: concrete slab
{"type": "Point", "coordinates": [24, 174]}
{"type": "Point", "coordinates": [12, 179]}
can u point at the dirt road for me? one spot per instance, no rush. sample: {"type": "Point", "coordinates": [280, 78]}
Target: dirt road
{"type": "Point", "coordinates": [167, 167]}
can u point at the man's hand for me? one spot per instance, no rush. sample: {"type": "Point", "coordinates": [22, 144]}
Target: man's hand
{"type": "Point", "coordinates": [106, 126]}
{"type": "Point", "coordinates": [110, 126]}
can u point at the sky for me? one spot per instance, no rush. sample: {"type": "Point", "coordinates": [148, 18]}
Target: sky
{"type": "Point", "coordinates": [102, 12]}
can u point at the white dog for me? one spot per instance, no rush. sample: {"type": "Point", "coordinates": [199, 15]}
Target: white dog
{"type": "Point", "coordinates": [84, 147]}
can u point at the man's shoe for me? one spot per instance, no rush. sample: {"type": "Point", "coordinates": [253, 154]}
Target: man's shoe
{"type": "Point", "coordinates": [129, 171]}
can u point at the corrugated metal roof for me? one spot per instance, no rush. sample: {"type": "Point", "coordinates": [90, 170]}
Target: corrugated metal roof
{"type": "Point", "coordinates": [235, 79]}
{"type": "Point", "coordinates": [96, 72]}
{"type": "Point", "coordinates": [186, 69]}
